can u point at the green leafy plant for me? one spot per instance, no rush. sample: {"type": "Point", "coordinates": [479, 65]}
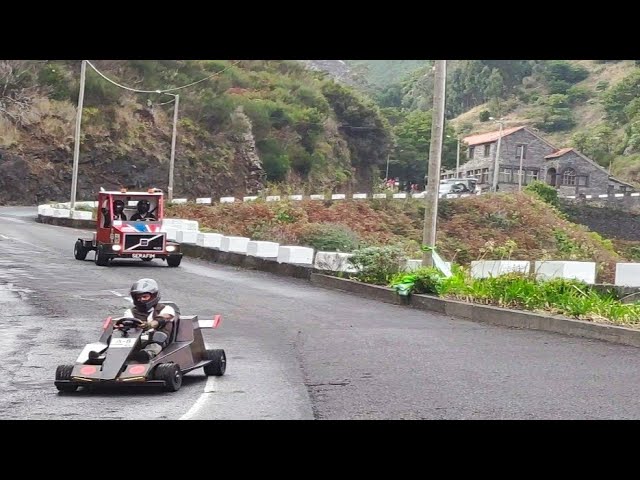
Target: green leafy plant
{"type": "Point", "coordinates": [377, 264]}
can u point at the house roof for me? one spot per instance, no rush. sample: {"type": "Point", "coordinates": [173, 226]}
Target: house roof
{"type": "Point", "coordinates": [559, 153]}
{"type": "Point", "coordinates": [489, 137]}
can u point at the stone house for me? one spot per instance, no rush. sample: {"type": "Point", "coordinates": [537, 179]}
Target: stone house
{"type": "Point", "coordinates": [568, 170]}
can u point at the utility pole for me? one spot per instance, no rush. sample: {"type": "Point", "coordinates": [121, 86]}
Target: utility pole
{"type": "Point", "coordinates": [386, 177]}
{"type": "Point", "coordinates": [173, 146]}
{"type": "Point", "coordinates": [520, 173]}
{"type": "Point", "coordinates": [496, 165]}
{"type": "Point", "coordinates": [458, 159]}
{"type": "Point", "coordinates": [76, 146]}
{"type": "Point", "coordinates": [435, 154]}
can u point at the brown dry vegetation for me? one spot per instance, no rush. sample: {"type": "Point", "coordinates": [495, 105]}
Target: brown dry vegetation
{"type": "Point", "coordinates": [465, 226]}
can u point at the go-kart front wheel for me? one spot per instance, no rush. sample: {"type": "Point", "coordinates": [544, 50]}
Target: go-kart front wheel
{"type": "Point", "coordinates": [171, 374]}
{"type": "Point", "coordinates": [63, 372]}
{"type": "Point", "coordinates": [174, 260]}
{"type": "Point", "coordinates": [218, 364]}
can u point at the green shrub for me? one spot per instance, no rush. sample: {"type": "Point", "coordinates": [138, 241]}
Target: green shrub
{"type": "Point", "coordinates": [328, 237]}
{"type": "Point", "coordinates": [484, 115]}
{"type": "Point", "coordinates": [546, 192]}
{"type": "Point", "coordinates": [422, 280]}
{"type": "Point", "coordinates": [377, 265]}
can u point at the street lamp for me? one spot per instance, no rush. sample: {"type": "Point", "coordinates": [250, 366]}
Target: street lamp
{"type": "Point", "coordinates": [173, 142]}
{"type": "Point", "coordinates": [496, 166]}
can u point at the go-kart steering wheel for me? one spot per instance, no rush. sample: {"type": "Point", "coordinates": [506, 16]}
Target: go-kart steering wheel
{"type": "Point", "coordinates": [128, 323]}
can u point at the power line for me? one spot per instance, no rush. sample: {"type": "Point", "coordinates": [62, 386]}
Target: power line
{"type": "Point", "coordinates": [160, 91]}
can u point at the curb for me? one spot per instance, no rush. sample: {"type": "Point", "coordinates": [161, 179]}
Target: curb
{"type": "Point", "coordinates": [486, 313]}
{"type": "Point", "coordinates": [454, 308]}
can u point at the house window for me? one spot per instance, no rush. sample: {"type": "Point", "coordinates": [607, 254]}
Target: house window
{"type": "Point", "coordinates": [485, 176]}
{"type": "Point", "coordinates": [521, 149]}
{"type": "Point", "coordinates": [569, 177]}
{"type": "Point", "coordinates": [470, 174]}
{"type": "Point", "coordinates": [471, 151]}
{"type": "Point", "coordinates": [506, 175]}
{"type": "Point", "coordinates": [487, 150]}
{"type": "Point", "coordinates": [516, 175]}
{"type": "Point", "coordinates": [583, 180]}
{"type": "Point", "coordinates": [531, 176]}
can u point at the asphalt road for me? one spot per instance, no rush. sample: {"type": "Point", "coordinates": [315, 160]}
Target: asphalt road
{"type": "Point", "coordinates": [294, 351]}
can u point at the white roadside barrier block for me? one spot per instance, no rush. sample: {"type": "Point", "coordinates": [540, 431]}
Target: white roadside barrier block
{"type": "Point", "coordinates": [86, 204]}
{"type": "Point", "coordinates": [209, 240]}
{"type": "Point", "coordinates": [628, 274]}
{"type": "Point", "coordinates": [191, 225]}
{"type": "Point", "coordinates": [44, 210]}
{"type": "Point", "coordinates": [172, 233]}
{"type": "Point", "coordinates": [338, 196]}
{"type": "Point", "coordinates": [273, 198]}
{"type": "Point", "coordinates": [81, 215]}
{"type": "Point", "coordinates": [294, 254]}
{"type": "Point", "coordinates": [203, 200]}
{"type": "Point", "coordinates": [585, 271]}
{"type": "Point", "coordinates": [187, 236]}
{"type": "Point", "coordinates": [262, 249]}
{"type": "Point", "coordinates": [61, 213]}
{"type": "Point", "coordinates": [249, 199]}
{"type": "Point", "coordinates": [295, 197]}
{"type": "Point", "coordinates": [418, 195]}
{"type": "Point", "coordinates": [379, 195]}
{"type": "Point", "coordinates": [316, 197]}
{"type": "Point", "coordinates": [334, 262]}
{"type": "Point", "coordinates": [179, 200]}
{"type": "Point", "coordinates": [495, 268]}
{"type": "Point", "coordinates": [234, 244]}
{"type": "Point", "coordinates": [399, 195]}
{"type": "Point", "coordinates": [357, 196]}
{"type": "Point", "coordinates": [227, 199]}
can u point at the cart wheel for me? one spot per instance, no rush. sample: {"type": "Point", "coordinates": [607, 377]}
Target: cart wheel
{"type": "Point", "coordinates": [173, 260]}
{"type": "Point", "coordinates": [79, 251]}
{"type": "Point", "coordinates": [171, 375]}
{"type": "Point", "coordinates": [101, 259]}
{"type": "Point", "coordinates": [63, 372]}
{"type": "Point", "coordinates": [218, 364]}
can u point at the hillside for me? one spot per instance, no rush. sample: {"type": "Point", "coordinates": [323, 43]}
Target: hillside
{"type": "Point", "coordinates": [487, 226]}
{"type": "Point", "coordinates": [592, 105]}
{"type": "Point", "coordinates": [253, 124]}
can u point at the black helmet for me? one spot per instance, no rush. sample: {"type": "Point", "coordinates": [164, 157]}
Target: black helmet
{"type": "Point", "coordinates": [143, 206]}
{"type": "Point", "coordinates": [118, 206]}
{"type": "Point", "coordinates": [145, 285]}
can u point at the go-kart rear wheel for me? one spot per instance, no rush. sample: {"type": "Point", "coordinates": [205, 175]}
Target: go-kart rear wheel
{"type": "Point", "coordinates": [218, 364]}
{"type": "Point", "coordinates": [171, 375]}
{"type": "Point", "coordinates": [63, 372]}
{"type": "Point", "coordinates": [79, 251]}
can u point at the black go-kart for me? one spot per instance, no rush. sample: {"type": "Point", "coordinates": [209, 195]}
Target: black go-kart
{"type": "Point", "coordinates": [113, 361]}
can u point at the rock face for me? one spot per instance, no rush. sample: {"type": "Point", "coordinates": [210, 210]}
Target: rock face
{"type": "Point", "coordinates": [36, 173]}
{"type": "Point", "coordinates": [338, 69]}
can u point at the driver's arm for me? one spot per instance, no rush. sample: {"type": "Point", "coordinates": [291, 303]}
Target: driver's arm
{"type": "Point", "coordinates": [167, 314]}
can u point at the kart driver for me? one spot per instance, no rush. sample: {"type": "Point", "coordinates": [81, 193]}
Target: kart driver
{"type": "Point", "coordinates": [146, 297]}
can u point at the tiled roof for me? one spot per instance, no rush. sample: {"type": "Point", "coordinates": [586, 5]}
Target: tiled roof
{"type": "Point", "coordinates": [559, 153]}
{"type": "Point", "coordinates": [489, 137]}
